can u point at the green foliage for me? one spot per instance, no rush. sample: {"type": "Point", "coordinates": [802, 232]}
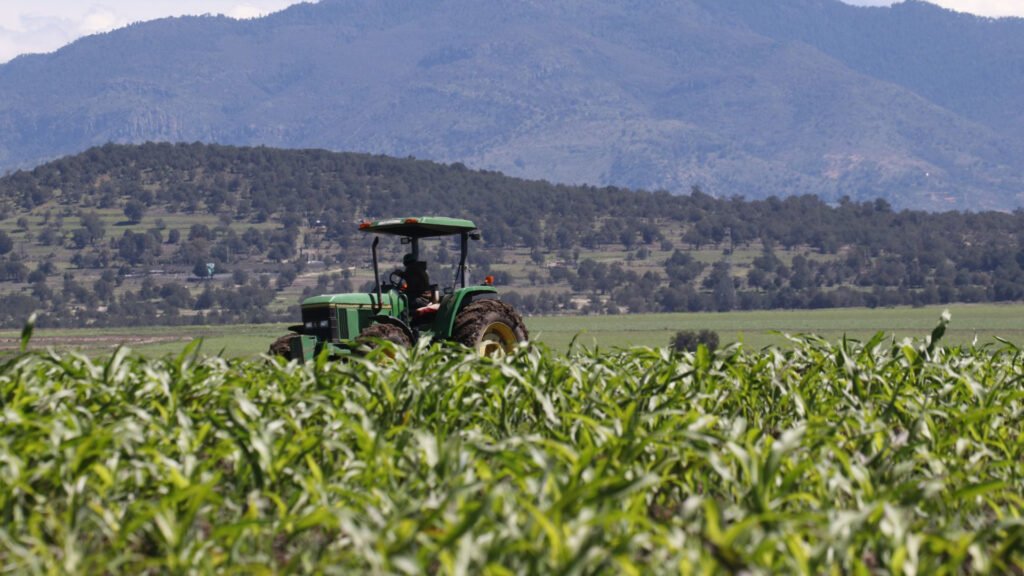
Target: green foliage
{"type": "Point", "coordinates": [690, 340]}
{"type": "Point", "coordinates": [201, 269]}
{"type": "Point", "coordinates": [856, 457]}
{"type": "Point", "coordinates": [134, 210]}
{"type": "Point", "coordinates": [6, 243]}
{"type": "Point", "coordinates": [856, 254]}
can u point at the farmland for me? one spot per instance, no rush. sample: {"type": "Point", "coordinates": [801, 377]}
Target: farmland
{"type": "Point", "coordinates": [755, 329]}
{"type": "Point", "coordinates": [868, 456]}
{"type": "Point", "coordinates": [765, 328]}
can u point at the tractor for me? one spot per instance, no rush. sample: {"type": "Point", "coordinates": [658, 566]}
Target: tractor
{"type": "Point", "coordinates": [470, 314]}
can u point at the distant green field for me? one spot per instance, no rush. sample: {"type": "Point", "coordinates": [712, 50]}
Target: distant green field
{"type": "Point", "coordinates": [754, 329]}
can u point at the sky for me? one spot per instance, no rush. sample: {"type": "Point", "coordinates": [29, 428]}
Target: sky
{"type": "Point", "coordinates": [34, 26]}
{"type": "Point", "coordinates": [993, 8]}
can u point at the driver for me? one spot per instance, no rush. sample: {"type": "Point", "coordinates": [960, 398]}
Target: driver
{"type": "Point", "coordinates": [416, 280]}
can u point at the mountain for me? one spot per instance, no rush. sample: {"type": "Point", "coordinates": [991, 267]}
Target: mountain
{"type": "Point", "coordinates": [914, 104]}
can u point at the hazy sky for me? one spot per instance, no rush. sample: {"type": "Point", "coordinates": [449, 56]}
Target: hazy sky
{"type": "Point", "coordinates": [46, 25]}
{"type": "Point", "coordinates": [981, 7]}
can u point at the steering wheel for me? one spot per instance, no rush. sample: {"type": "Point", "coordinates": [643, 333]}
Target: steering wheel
{"type": "Point", "coordinates": [395, 278]}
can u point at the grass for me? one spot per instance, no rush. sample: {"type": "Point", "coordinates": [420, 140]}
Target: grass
{"type": "Point", "coordinates": [754, 329]}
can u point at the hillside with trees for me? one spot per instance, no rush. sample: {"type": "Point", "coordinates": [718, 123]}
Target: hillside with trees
{"type": "Point", "coordinates": [191, 233]}
{"type": "Point", "coordinates": [913, 103]}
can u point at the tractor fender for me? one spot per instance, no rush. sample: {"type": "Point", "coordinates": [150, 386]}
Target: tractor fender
{"type": "Point", "coordinates": [453, 303]}
{"type": "Point", "coordinates": [384, 319]}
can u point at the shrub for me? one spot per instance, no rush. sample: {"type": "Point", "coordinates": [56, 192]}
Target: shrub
{"type": "Point", "coordinates": [689, 340]}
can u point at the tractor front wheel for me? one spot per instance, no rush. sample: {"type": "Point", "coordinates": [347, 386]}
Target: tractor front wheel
{"type": "Point", "coordinates": [388, 332]}
{"type": "Point", "coordinates": [282, 346]}
{"type": "Point", "coordinates": [491, 327]}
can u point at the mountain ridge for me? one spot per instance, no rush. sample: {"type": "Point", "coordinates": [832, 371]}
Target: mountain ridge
{"type": "Point", "coordinates": [739, 98]}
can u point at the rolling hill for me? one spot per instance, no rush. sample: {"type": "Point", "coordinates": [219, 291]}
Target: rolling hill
{"type": "Point", "coordinates": [126, 234]}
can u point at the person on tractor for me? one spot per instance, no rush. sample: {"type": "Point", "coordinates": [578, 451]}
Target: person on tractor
{"type": "Point", "coordinates": [417, 282]}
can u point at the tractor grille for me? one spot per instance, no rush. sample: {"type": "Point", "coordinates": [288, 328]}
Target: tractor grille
{"type": "Point", "coordinates": [317, 322]}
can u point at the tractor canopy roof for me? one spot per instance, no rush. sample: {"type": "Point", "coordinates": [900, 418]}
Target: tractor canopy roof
{"type": "Point", "coordinates": [419, 227]}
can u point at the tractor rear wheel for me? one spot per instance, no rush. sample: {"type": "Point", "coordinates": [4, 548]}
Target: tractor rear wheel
{"type": "Point", "coordinates": [491, 327]}
{"type": "Point", "coordinates": [388, 332]}
{"type": "Point", "coordinates": [282, 346]}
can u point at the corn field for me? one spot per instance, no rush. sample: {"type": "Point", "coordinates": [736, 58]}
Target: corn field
{"type": "Point", "coordinates": [875, 457]}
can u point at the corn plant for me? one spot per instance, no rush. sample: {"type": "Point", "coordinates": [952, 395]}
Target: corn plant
{"type": "Point", "coordinates": [849, 458]}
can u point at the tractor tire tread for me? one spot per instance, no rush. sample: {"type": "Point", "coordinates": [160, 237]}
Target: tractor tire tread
{"type": "Point", "coordinates": [282, 346]}
{"type": "Point", "coordinates": [388, 332]}
{"type": "Point", "coordinates": [473, 320]}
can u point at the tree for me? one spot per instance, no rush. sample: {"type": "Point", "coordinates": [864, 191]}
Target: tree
{"type": "Point", "coordinates": [13, 271]}
{"type": "Point", "coordinates": [36, 276]}
{"type": "Point", "coordinates": [94, 225]}
{"type": "Point", "coordinates": [134, 211]}
{"type": "Point", "coordinates": [281, 251]}
{"type": "Point", "coordinates": [176, 296]}
{"type": "Point", "coordinates": [81, 238]}
{"type": "Point", "coordinates": [103, 288]}
{"type": "Point", "coordinates": [682, 268]}
{"type": "Point", "coordinates": [690, 340]}
{"type": "Point", "coordinates": [255, 240]}
{"type": "Point", "coordinates": [200, 231]}
{"type": "Point", "coordinates": [6, 244]}
{"type": "Point", "coordinates": [723, 290]}
{"type": "Point", "coordinates": [49, 236]}
{"type": "Point", "coordinates": [202, 269]}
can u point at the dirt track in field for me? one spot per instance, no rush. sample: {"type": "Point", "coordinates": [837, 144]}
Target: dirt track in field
{"type": "Point", "coordinates": [93, 342]}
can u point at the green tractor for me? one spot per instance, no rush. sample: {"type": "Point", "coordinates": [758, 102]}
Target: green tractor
{"type": "Point", "coordinates": [472, 315]}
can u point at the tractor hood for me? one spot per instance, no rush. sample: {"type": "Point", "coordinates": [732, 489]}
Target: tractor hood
{"type": "Point", "coordinates": [358, 300]}
{"type": "Point", "coordinates": [337, 317]}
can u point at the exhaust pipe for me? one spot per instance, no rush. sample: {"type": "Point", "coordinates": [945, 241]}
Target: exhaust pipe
{"type": "Point", "coordinates": [376, 278]}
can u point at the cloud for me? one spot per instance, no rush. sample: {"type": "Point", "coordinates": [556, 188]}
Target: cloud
{"type": "Point", "coordinates": [991, 8]}
{"type": "Point", "coordinates": [8, 45]}
{"type": "Point", "coordinates": [46, 25]}
{"type": "Point", "coordinates": [99, 21]}
{"type": "Point", "coordinates": [34, 34]}
{"type": "Point", "coordinates": [245, 12]}
{"type": "Point", "coordinates": [986, 7]}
